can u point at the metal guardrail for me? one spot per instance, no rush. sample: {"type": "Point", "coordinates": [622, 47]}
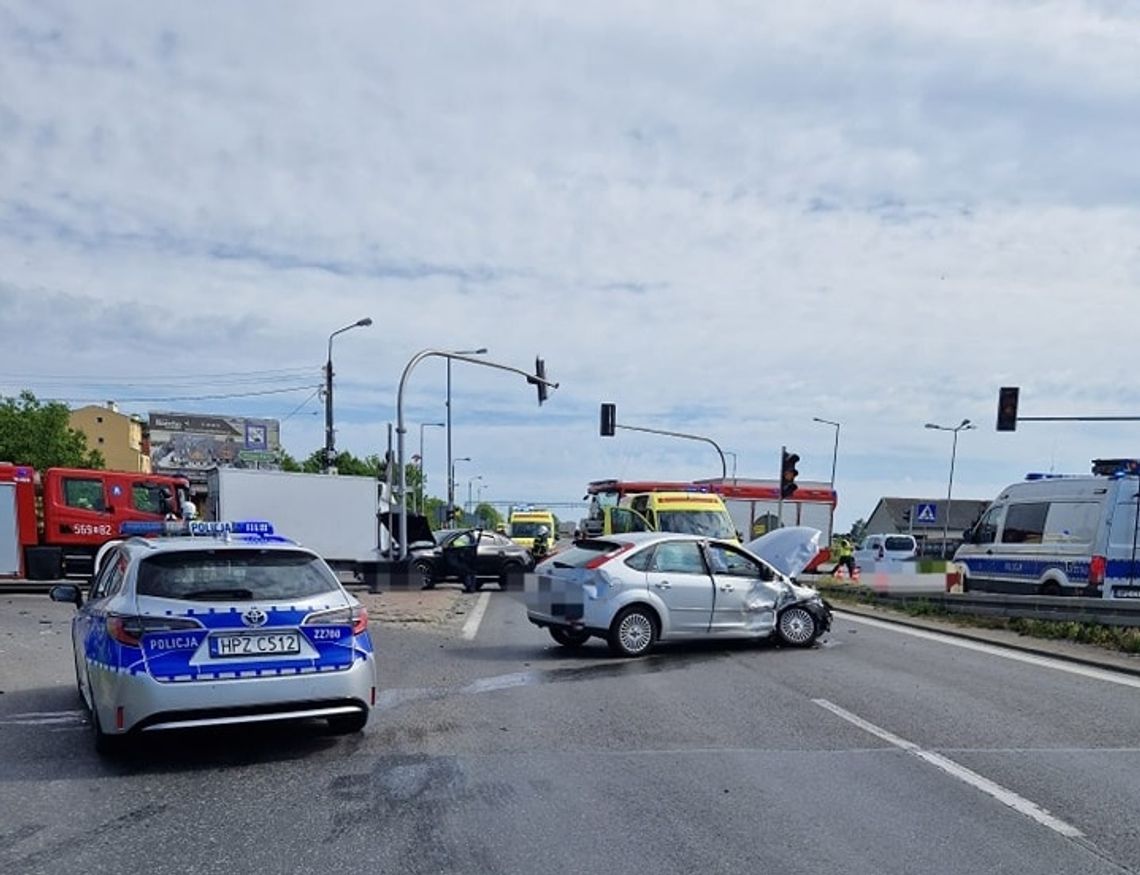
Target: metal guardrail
{"type": "Point", "coordinates": [1057, 609]}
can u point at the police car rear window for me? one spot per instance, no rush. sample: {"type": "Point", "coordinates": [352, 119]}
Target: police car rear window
{"type": "Point", "coordinates": [234, 575]}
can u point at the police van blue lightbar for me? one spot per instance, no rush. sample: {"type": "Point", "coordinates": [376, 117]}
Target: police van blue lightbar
{"type": "Point", "coordinates": [197, 528]}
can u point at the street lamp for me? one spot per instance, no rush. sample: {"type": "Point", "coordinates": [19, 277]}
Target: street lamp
{"type": "Point", "coordinates": [471, 480]}
{"type": "Point", "coordinates": [424, 425]}
{"type": "Point", "coordinates": [964, 425]}
{"type": "Point", "coordinates": [330, 441]}
{"type": "Point", "coordinates": [451, 482]}
{"type": "Point", "coordinates": [835, 449]}
{"type": "Point", "coordinates": [451, 487]}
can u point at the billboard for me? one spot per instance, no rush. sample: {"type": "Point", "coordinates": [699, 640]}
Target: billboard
{"type": "Point", "coordinates": [192, 442]}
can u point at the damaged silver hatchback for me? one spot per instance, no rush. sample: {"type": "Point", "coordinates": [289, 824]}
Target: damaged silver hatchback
{"type": "Point", "coordinates": [635, 589]}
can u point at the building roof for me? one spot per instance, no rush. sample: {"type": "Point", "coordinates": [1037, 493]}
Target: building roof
{"type": "Point", "coordinates": [964, 512]}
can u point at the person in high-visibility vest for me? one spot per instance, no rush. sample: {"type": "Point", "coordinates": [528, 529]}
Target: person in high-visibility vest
{"type": "Point", "coordinates": [846, 557]}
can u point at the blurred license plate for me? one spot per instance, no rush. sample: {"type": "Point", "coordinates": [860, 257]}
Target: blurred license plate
{"type": "Point", "coordinates": [255, 644]}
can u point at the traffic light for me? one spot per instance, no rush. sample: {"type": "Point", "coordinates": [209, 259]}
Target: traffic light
{"type": "Point", "coordinates": [1007, 408]}
{"type": "Point", "coordinates": [540, 382]}
{"type": "Point", "coordinates": [788, 473]}
{"type": "Point", "coordinates": [609, 420]}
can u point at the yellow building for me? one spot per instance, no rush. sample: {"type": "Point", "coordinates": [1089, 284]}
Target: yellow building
{"type": "Point", "coordinates": [117, 436]}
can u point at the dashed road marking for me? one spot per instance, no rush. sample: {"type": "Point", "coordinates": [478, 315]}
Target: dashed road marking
{"type": "Point", "coordinates": [1002, 794]}
{"type": "Point", "coordinates": [471, 627]}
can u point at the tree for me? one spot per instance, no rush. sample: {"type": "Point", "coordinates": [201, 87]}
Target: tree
{"type": "Point", "coordinates": [858, 530]}
{"type": "Point", "coordinates": [36, 433]}
{"type": "Point", "coordinates": [488, 516]}
{"type": "Point", "coordinates": [353, 466]}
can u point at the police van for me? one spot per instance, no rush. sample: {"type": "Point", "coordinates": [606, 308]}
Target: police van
{"type": "Point", "coordinates": [1059, 535]}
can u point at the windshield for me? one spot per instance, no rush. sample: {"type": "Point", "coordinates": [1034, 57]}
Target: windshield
{"type": "Point", "coordinates": [710, 523]}
{"type": "Point", "coordinates": [234, 575]}
{"type": "Point", "coordinates": [527, 530]}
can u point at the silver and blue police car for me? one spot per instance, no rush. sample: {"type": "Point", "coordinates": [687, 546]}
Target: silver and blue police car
{"type": "Point", "coordinates": [221, 623]}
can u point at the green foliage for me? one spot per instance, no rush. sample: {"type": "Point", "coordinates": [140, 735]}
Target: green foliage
{"type": "Point", "coordinates": [858, 531]}
{"type": "Point", "coordinates": [488, 516]}
{"type": "Point", "coordinates": [37, 433]}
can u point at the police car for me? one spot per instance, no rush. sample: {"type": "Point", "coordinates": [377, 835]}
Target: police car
{"type": "Point", "coordinates": [217, 623]}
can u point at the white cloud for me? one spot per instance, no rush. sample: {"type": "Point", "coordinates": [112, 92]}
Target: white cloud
{"type": "Point", "coordinates": [726, 217]}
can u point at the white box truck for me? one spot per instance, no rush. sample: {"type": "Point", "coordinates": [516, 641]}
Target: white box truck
{"type": "Point", "coordinates": [336, 516]}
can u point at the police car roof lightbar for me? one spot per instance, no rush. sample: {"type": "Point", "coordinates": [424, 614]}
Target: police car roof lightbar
{"type": "Point", "coordinates": [145, 528]}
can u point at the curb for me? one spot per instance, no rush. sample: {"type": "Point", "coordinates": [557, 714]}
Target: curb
{"type": "Point", "coordinates": [958, 632]}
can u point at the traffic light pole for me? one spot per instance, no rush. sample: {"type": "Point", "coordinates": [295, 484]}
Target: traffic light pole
{"type": "Point", "coordinates": [401, 431]}
{"type": "Point", "coordinates": [689, 437]}
{"type": "Point", "coordinates": [780, 503]}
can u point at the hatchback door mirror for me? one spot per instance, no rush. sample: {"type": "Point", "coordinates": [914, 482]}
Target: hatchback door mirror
{"type": "Point", "coordinates": [66, 592]}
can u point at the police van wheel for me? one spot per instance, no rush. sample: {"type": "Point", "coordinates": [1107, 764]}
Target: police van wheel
{"type": "Point", "coordinates": [348, 724]}
{"type": "Point", "coordinates": [1051, 587]}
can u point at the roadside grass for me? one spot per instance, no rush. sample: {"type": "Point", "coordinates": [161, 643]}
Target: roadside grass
{"type": "Point", "coordinates": [1119, 638]}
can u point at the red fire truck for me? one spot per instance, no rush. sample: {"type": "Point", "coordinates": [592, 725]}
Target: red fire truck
{"type": "Point", "coordinates": [53, 522]}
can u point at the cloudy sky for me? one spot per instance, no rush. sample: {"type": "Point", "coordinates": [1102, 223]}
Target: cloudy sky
{"type": "Point", "coordinates": [725, 217]}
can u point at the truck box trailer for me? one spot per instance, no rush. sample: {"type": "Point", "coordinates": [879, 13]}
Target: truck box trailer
{"type": "Point", "coordinates": [336, 516]}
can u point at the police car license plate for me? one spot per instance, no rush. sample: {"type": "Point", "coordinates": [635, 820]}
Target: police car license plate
{"type": "Point", "coordinates": [255, 644]}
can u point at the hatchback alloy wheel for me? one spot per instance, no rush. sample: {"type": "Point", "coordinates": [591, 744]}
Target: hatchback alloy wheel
{"type": "Point", "coordinates": [633, 632]}
{"type": "Point", "coordinates": [797, 627]}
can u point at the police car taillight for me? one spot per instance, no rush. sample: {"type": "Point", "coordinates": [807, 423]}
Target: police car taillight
{"type": "Point", "coordinates": [1097, 568]}
{"type": "Point", "coordinates": [357, 617]}
{"type": "Point", "coordinates": [129, 630]}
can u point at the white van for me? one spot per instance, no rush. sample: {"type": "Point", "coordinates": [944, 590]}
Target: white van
{"type": "Point", "coordinates": [1059, 535]}
{"type": "Point", "coordinates": [885, 548]}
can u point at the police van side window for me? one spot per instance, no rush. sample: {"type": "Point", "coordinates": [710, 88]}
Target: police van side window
{"type": "Point", "coordinates": [1072, 522]}
{"type": "Point", "coordinates": [987, 529]}
{"type": "Point", "coordinates": [1025, 523]}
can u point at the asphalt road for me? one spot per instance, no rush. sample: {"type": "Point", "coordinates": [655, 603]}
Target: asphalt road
{"type": "Point", "coordinates": [877, 752]}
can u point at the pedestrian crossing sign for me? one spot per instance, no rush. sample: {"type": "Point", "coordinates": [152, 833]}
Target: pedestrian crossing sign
{"type": "Point", "coordinates": [926, 513]}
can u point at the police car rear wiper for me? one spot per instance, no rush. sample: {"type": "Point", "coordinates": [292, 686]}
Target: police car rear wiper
{"type": "Point", "coordinates": [221, 595]}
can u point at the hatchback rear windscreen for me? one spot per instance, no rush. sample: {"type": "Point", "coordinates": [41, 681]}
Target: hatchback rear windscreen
{"type": "Point", "coordinates": [900, 544]}
{"type": "Point", "coordinates": [234, 575]}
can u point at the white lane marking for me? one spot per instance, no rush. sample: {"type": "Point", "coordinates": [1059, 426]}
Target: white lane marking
{"type": "Point", "coordinates": [997, 791]}
{"type": "Point", "coordinates": [43, 718]}
{"type": "Point", "coordinates": [471, 627]}
{"type": "Point", "coordinates": [997, 650]}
